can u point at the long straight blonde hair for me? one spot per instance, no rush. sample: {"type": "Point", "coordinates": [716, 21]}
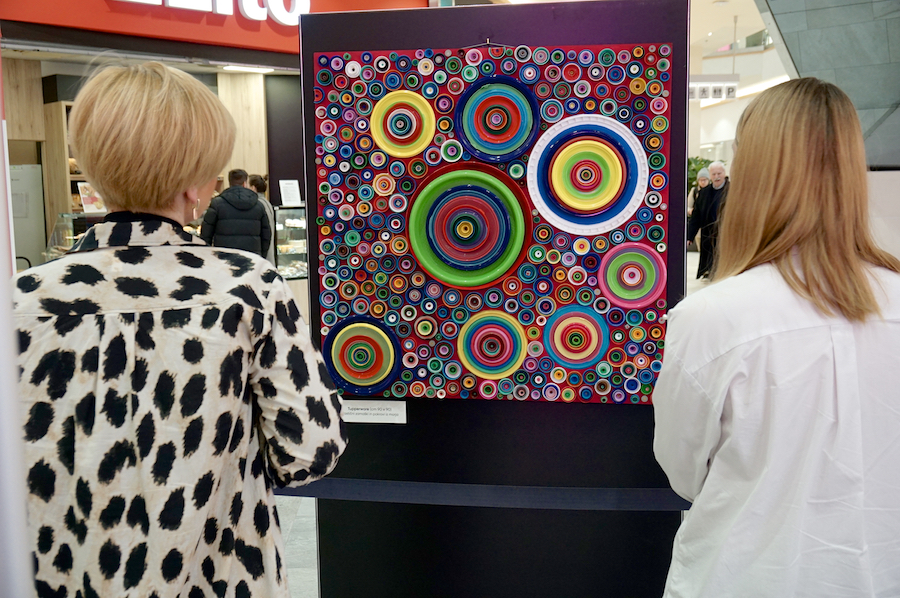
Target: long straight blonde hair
{"type": "Point", "coordinates": [798, 198]}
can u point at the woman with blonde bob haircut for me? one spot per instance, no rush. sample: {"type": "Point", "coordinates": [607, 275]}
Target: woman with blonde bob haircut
{"type": "Point", "coordinates": [166, 386]}
{"type": "Point", "coordinates": [144, 134]}
{"type": "Point", "coordinates": [777, 408]}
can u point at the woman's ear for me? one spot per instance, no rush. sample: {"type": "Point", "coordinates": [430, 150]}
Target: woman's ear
{"type": "Point", "coordinates": [187, 203]}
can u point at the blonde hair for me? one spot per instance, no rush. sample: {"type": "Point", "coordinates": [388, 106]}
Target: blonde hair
{"type": "Point", "coordinates": [143, 134]}
{"type": "Point", "coordinates": [809, 217]}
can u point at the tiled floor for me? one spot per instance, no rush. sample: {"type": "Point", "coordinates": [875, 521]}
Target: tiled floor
{"type": "Point", "coordinates": [693, 285]}
{"type": "Point", "coordinates": [298, 515]}
{"type": "Point", "coordinates": [301, 557]}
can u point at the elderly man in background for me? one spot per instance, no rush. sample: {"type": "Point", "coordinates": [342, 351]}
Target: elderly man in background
{"type": "Point", "coordinates": [705, 215]}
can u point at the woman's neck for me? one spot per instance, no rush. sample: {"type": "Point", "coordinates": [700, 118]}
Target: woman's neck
{"type": "Point", "coordinates": [179, 216]}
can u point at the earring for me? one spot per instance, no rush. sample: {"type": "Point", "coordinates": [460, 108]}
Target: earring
{"type": "Point", "coordinates": [196, 207]}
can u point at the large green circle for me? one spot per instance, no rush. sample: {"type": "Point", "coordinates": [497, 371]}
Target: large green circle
{"type": "Point", "coordinates": [418, 233]}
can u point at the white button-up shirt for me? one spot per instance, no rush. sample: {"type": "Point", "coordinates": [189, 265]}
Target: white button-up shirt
{"type": "Point", "coordinates": [782, 426]}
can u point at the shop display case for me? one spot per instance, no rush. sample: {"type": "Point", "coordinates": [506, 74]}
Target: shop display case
{"type": "Point", "coordinates": [67, 230]}
{"type": "Point", "coordinates": [290, 243]}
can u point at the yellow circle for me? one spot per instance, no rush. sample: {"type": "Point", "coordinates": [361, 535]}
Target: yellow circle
{"type": "Point", "coordinates": [514, 323]}
{"type": "Point", "coordinates": [587, 201]}
{"type": "Point", "coordinates": [376, 335]}
{"type": "Point", "coordinates": [398, 245]}
{"type": "Point", "coordinates": [559, 345]}
{"type": "Point", "coordinates": [638, 86]}
{"type": "Point", "coordinates": [384, 184]}
{"type": "Point", "coordinates": [558, 375]}
{"type": "Point", "coordinates": [422, 107]}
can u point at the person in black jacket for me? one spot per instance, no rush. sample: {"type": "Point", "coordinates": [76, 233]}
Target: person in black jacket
{"type": "Point", "coordinates": [235, 219]}
{"type": "Point", "coordinates": [705, 215]}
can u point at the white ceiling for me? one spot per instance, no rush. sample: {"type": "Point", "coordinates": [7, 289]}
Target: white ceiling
{"type": "Point", "coordinates": [707, 16]}
{"type": "Point", "coordinates": [717, 17]}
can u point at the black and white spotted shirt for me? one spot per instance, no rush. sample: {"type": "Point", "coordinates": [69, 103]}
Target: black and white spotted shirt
{"type": "Point", "coordinates": [166, 387]}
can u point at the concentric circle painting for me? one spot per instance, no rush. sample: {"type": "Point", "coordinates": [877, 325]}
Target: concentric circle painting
{"type": "Point", "coordinates": [491, 222]}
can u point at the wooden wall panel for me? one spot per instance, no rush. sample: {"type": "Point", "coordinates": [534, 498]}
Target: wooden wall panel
{"type": "Point", "coordinates": [23, 152]}
{"type": "Point", "coordinates": [245, 97]}
{"type": "Point", "coordinates": [24, 99]}
{"type": "Point", "coordinates": [57, 188]}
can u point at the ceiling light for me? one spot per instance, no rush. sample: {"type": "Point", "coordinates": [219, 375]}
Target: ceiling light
{"type": "Point", "coordinates": [709, 34]}
{"type": "Point", "coordinates": [248, 69]}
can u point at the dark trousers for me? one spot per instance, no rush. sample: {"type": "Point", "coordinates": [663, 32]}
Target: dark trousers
{"type": "Point", "coordinates": [708, 238]}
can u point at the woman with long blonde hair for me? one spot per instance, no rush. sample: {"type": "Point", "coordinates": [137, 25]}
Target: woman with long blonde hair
{"type": "Point", "coordinates": [778, 405]}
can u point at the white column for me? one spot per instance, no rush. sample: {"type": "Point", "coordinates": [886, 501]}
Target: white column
{"type": "Point", "coordinates": [16, 576]}
{"type": "Point", "coordinates": [695, 67]}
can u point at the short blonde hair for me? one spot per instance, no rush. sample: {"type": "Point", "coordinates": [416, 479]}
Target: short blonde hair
{"type": "Point", "coordinates": [143, 134]}
{"type": "Point", "coordinates": [810, 217]}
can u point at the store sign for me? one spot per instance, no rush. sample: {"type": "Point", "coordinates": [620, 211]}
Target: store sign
{"type": "Point", "coordinates": [250, 9]}
{"type": "Point", "coordinates": [266, 25]}
{"type": "Point", "coordinates": [713, 87]}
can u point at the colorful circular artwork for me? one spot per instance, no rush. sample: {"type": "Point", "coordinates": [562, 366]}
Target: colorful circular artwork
{"type": "Point", "coordinates": [468, 228]}
{"type": "Point", "coordinates": [492, 345]}
{"type": "Point", "coordinates": [497, 119]}
{"type": "Point", "coordinates": [402, 124]}
{"type": "Point", "coordinates": [493, 223]}
{"type": "Point", "coordinates": [575, 337]}
{"type": "Point", "coordinates": [633, 275]}
{"type": "Point", "coordinates": [362, 355]}
{"type": "Point", "coordinates": [587, 174]}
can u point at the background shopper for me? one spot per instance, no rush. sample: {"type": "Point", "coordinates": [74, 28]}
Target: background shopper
{"type": "Point", "coordinates": [702, 181]}
{"type": "Point", "coordinates": [777, 407]}
{"type": "Point", "coordinates": [705, 215]}
{"type": "Point", "coordinates": [167, 386]}
{"type": "Point", "coordinates": [259, 185]}
{"type": "Point", "coordinates": [236, 219]}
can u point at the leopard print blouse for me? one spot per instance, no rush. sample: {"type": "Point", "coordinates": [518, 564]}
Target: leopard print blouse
{"type": "Point", "coordinates": [166, 387]}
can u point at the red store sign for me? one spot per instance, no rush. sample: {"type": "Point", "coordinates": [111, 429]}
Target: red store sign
{"type": "Point", "coordinates": [268, 25]}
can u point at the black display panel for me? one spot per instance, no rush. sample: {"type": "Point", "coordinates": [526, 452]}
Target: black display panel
{"type": "Point", "coordinates": [412, 551]}
{"type": "Point", "coordinates": [422, 509]}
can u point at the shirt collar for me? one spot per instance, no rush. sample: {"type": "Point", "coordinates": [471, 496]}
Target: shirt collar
{"type": "Point", "coordinates": [123, 229]}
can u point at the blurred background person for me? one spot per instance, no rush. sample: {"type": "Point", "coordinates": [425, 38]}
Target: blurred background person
{"type": "Point", "coordinates": [702, 181]}
{"type": "Point", "coordinates": [236, 219]}
{"type": "Point", "coordinates": [705, 215]}
{"type": "Point", "coordinates": [259, 185]}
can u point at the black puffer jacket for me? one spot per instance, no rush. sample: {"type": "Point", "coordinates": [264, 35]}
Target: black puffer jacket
{"type": "Point", "coordinates": [236, 219]}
